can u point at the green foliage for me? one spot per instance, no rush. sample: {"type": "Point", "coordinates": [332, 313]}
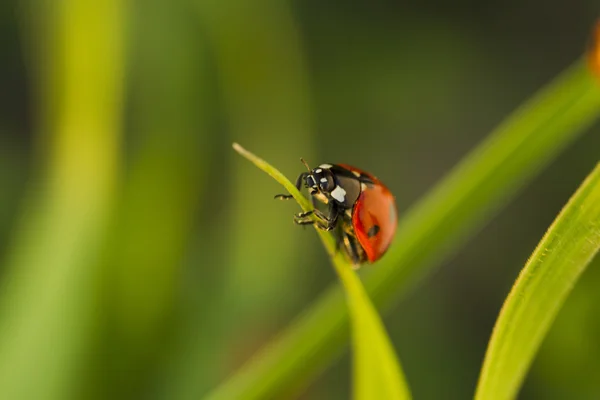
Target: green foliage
{"type": "Point", "coordinates": [540, 291]}
{"type": "Point", "coordinates": [377, 372]}
{"type": "Point", "coordinates": [131, 265]}
{"type": "Point", "coordinates": [452, 211]}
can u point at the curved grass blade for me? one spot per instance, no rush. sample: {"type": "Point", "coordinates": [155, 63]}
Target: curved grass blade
{"type": "Point", "coordinates": [540, 290]}
{"type": "Point", "coordinates": [377, 372]}
{"type": "Point", "coordinates": [326, 237]}
{"type": "Point", "coordinates": [469, 196]}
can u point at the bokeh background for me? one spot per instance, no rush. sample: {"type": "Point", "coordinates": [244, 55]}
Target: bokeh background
{"type": "Point", "coordinates": [194, 265]}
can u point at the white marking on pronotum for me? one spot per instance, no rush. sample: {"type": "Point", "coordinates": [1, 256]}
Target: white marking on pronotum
{"type": "Point", "coordinates": [356, 174]}
{"type": "Point", "coordinates": [323, 180]}
{"type": "Point", "coordinates": [318, 171]}
{"type": "Point", "coordinates": [339, 194]}
{"type": "Point", "coordinates": [325, 166]}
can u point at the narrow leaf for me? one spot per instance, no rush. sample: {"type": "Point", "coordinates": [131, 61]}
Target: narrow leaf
{"type": "Point", "coordinates": [540, 290]}
{"type": "Point", "coordinates": [377, 372]}
{"type": "Point", "coordinates": [48, 297]}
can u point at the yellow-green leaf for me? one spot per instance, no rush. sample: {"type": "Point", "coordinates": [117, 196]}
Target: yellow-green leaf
{"type": "Point", "coordinates": [377, 372]}
{"type": "Point", "coordinates": [48, 298]}
{"type": "Point", "coordinates": [539, 292]}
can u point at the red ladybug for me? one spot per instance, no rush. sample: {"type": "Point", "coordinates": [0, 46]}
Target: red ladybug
{"type": "Point", "coordinates": [360, 207]}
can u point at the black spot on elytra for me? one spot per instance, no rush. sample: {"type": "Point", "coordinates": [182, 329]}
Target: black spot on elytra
{"type": "Point", "coordinates": [373, 231]}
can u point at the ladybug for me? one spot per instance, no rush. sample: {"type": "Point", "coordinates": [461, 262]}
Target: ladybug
{"type": "Point", "coordinates": [360, 208]}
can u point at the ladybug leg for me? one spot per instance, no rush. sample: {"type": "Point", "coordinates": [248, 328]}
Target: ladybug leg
{"type": "Point", "coordinates": [351, 246]}
{"type": "Point", "coordinates": [323, 221]}
{"type": "Point", "coordinates": [352, 249]}
{"type": "Point", "coordinates": [307, 220]}
{"type": "Point", "coordinates": [299, 181]}
{"type": "Point", "coordinates": [315, 210]}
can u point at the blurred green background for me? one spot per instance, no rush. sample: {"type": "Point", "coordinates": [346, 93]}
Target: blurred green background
{"type": "Point", "coordinates": [140, 257]}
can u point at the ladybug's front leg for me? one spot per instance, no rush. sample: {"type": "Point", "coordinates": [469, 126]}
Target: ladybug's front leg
{"type": "Point", "coordinates": [323, 221]}
{"type": "Point", "coordinates": [299, 181]}
{"type": "Point", "coordinates": [316, 211]}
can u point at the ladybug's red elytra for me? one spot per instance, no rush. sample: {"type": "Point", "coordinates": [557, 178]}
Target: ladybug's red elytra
{"type": "Point", "coordinates": [360, 207]}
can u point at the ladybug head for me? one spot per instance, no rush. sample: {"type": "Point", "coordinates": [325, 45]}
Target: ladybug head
{"type": "Point", "coordinates": [328, 183]}
{"type": "Point", "coordinates": [320, 181]}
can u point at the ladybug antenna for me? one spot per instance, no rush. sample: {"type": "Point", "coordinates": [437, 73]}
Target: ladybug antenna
{"type": "Point", "coordinates": [305, 164]}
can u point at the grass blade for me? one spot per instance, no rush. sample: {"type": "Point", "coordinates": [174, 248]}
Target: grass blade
{"type": "Point", "coordinates": [487, 179]}
{"type": "Point", "coordinates": [540, 290]}
{"type": "Point", "coordinates": [377, 372]}
{"type": "Point", "coordinates": [47, 310]}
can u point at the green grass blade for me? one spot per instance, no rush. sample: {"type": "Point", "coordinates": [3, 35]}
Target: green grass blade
{"type": "Point", "coordinates": [377, 372]}
{"type": "Point", "coordinates": [157, 193]}
{"type": "Point", "coordinates": [540, 290]}
{"type": "Point", "coordinates": [48, 296]}
{"type": "Point", "coordinates": [487, 179]}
